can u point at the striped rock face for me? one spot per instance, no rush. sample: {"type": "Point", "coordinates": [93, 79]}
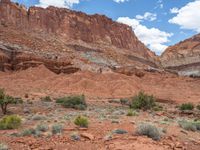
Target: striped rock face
{"type": "Point", "coordinates": [58, 36]}
{"type": "Point", "coordinates": [184, 57]}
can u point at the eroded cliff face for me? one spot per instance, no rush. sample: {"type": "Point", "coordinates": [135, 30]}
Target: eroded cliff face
{"type": "Point", "coordinates": [63, 36]}
{"type": "Point", "coordinates": [184, 57]}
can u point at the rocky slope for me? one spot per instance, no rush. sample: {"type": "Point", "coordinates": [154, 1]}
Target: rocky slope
{"type": "Point", "coordinates": [184, 57]}
{"type": "Point", "coordinates": [66, 41]}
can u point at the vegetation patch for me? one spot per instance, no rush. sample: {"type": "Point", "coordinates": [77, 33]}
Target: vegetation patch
{"type": "Point", "coordinates": [148, 130]}
{"type": "Point", "coordinates": [190, 125]}
{"type": "Point", "coordinates": [5, 100]}
{"type": "Point", "coordinates": [46, 99]}
{"type": "Point", "coordinates": [124, 101]}
{"type": "Point", "coordinates": [3, 146]}
{"type": "Point", "coordinates": [131, 112]}
{"type": "Point", "coordinates": [198, 107]}
{"type": "Point", "coordinates": [186, 106]}
{"type": "Point", "coordinates": [42, 127]}
{"type": "Point", "coordinates": [57, 129]}
{"type": "Point", "coordinates": [119, 131]}
{"type": "Point", "coordinates": [75, 102]}
{"type": "Point", "coordinates": [10, 122]}
{"type": "Point", "coordinates": [143, 101]}
{"type": "Point", "coordinates": [81, 121]}
{"type": "Point", "coordinates": [28, 132]}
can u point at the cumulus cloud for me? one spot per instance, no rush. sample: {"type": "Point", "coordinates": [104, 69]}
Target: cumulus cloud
{"type": "Point", "coordinates": [147, 16]}
{"type": "Point", "coordinates": [187, 17]}
{"type": "Point", "coordinates": [154, 38]}
{"type": "Point", "coordinates": [120, 1]}
{"type": "Point", "coordinates": [58, 3]}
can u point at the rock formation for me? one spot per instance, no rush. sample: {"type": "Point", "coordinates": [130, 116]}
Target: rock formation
{"type": "Point", "coordinates": [183, 57]}
{"type": "Point", "coordinates": [66, 40]}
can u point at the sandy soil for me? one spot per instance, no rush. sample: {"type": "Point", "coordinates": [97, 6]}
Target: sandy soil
{"type": "Point", "coordinates": [38, 82]}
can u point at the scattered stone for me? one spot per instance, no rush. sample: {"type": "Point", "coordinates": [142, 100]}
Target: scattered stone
{"type": "Point", "coordinates": [115, 121]}
{"type": "Point", "coordinates": [87, 136]}
{"type": "Point", "coordinates": [108, 137]}
{"type": "Point", "coordinates": [26, 110]}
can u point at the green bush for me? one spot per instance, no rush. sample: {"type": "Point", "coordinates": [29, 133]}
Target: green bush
{"type": "Point", "coordinates": [190, 125]}
{"type": "Point", "coordinates": [75, 102]}
{"type": "Point", "coordinates": [186, 106]}
{"type": "Point", "coordinates": [81, 121]}
{"type": "Point", "coordinates": [3, 146]}
{"type": "Point", "coordinates": [46, 99]}
{"type": "Point", "coordinates": [10, 122]}
{"type": "Point", "coordinates": [131, 113]}
{"type": "Point", "coordinates": [143, 101]}
{"type": "Point", "coordinates": [5, 100]}
{"type": "Point", "coordinates": [57, 129]}
{"type": "Point", "coordinates": [149, 130]}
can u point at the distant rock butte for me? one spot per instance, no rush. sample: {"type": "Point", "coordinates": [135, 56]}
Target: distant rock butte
{"type": "Point", "coordinates": [184, 57]}
{"type": "Point", "coordinates": [66, 40]}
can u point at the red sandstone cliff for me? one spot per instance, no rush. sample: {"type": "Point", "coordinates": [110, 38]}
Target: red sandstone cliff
{"type": "Point", "coordinates": [66, 38]}
{"type": "Point", "coordinates": [183, 57]}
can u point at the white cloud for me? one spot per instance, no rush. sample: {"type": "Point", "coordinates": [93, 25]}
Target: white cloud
{"type": "Point", "coordinates": [154, 38]}
{"type": "Point", "coordinates": [58, 3]}
{"type": "Point", "coordinates": [188, 17]}
{"type": "Point", "coordinates": [174, 10]}
{"type": "Point", "coordinates": [147, 16]}
{"type": "Point", "coordinates": [120, 1]}
{"type": "Point", "coordinates": [159, 4]}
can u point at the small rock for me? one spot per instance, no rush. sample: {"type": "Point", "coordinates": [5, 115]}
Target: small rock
{"type": "Point", "coordinates": [108, 137]}
{"type": "Point", "coordinates": [132, 122]}
{"type": "Point", "coordinates": [115, 121]}
{"type": "Point", "coordinates": [26, 111]}
{"type": "Point", "coordinates": [88, 136]}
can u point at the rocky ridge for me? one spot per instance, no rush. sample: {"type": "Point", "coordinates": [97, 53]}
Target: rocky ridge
{"type": "Point", "coordinates": [66, 41]}
{"type": "Point", "coordinates": [183, 57]}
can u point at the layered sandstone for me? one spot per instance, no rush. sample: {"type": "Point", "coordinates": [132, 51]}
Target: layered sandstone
{"type": "Point", "coordinates": [184, 57]}
{"type": "Point", "coordinates": [55, 36]}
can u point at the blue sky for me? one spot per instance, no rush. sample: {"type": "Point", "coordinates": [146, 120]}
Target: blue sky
{"type": "Point", "coordinates": [157, 23]}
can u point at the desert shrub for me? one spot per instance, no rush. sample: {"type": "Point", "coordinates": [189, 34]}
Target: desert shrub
{"type": "Point", "coordinates": [124, 101]}
{"type": "Point", "coordinates": [149, 130]}
{"type": "Point", "coordinates": [81, 121]}
{"type": "Point", "coordinates": [42, 127]}
{"type": "Point", "coordinates": [3, 146]}
{"type": "Point", "coordinates": [186, 106]}
{"type": "Point", "coordinates": [57, 129]}
{"type": "Point", "coordinates": [10, 122]}
{"type": "Point", "coordinates": [131, 113]}
{"type": "Point", "coordinates": [28, 132]}
{"type": "Point", "coordinates": [158, 108]}
{"type": "Point", "coordinates": [46, 99]}
{"type": "Point", "coordinates": [5, 100]}
{"type": "Point", "coordinates": [198, 107]}
{"type": "Point", "coordinates": [76, 102]}
{"type": "Point", "coordinates": [119, 131]}
{"type": "Point", "coordinates": [190, 125]}
{"type": "Point", "coordinates": [38, 117]}
{"type": "Point", "coordinates": [75, 136]}
{"type": "Point", "coordinates": [143, 101]}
